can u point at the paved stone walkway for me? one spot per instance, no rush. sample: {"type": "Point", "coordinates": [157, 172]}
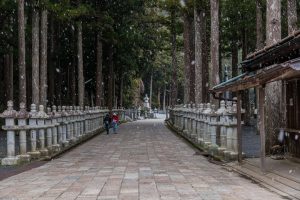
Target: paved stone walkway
{"type": "Point", "coordinates": [144, 161]}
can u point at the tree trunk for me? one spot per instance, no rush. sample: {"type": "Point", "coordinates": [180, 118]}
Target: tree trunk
{"type": "Point", "coordinates": [80, 66]}
{"type": "Point", "coordinates": [187, 56]}
{"type": "Point", "coordinates": [259, 26]}
{"type": "Point", "coordinates": [6, 74]}
{"type": "Point", "coordinates": [273, 90]}
{"type": "Point", "coordinates": [44, 46]}
{"type": "Point", "coordinates": [198, 20]}
{"type": "Point", "coordinates": [21, 59]}
{"type": "Point", "coordinates": [150, 98]}
{"type": "Point", "coordinates": [121, 90]}
{"type": "Point", "coordinates": [35, 57]}
{"type": "Point", "coordinates": [164, 98]}
{"type": "Point", "coordinates": [51, 61]}
{"type": "Point", "coordinates": [99, 71]}
{"type": "Point", "coordinates": [205, 65]}
{"type": "Point", "coordinates": [158, 99]}
{"type": "Point", "coordinates": [11, 76]}
{"type": "Point", "coordinates": [292, 16]}
{"type": "Point", "coordinates": [245, 94]}
{"type": "Point", "coordinates": [234, 58]}
{"type": "Point", "coordinates": [214, 46]}
{"type": "Point", "coordinates": [174, 60]}
{"type": "Point", "coordinates": [110, 78]}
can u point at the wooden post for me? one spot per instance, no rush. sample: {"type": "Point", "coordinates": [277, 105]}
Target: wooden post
{"type": "Point", "coordinates": [239, 126]}
{"type": "Point", "coordinates": [262, 127]}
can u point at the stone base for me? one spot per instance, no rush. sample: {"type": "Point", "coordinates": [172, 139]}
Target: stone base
{"type": "Point", "coordinates": [221, 151]}
{"type": "Point", "coordinates": [44, 152]}
{"type": "Point", "coordinates": [24, 158]}
{"type": "Point", "coordinates": [10, 160]}
{"type": "Point", "coordinates": [34, 154]}
{"type": "Point", "coordinates": [185, 132]}
{"type": "Point", "coordinates": [230, 155]}
{"type": "Point", "coordinates": [66, 143]}
{"type": "Point", "coordinates": [56, 148]}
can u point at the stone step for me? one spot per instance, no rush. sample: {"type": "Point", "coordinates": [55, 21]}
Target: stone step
{"type": "Point", "coordinates": [276, 177]}
{"type": "Point", "coordinates": [266, 181]}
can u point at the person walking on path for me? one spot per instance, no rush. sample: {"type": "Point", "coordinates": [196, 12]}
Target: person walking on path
{"type": "Point", "coordinates": [115, 121]}
{"type": "Point", "coordinates": [106, 122]}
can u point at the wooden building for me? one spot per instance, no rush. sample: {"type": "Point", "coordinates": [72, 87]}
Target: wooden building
{"type": "Point", "coordinates": [279, 62]}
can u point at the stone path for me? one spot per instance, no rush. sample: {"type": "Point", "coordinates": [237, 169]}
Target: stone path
{"type": "Point", "coordinates": [144, 161]}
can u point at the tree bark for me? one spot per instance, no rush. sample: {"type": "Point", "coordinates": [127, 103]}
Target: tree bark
{"type": "Point", "coordinates": [150, 98]}
{"type": "Point", "coordinates": [273, 90]}
{"type": "Point", "coordinates": [292, 16]}
{"type": "Point", "coordinates": [99, 71]}
{"type": "Point", "coordinates": [44, 46]}
{"type": "Point", "coordinates": [21, 59]}
{"type": "Point", "coordinates": [198, 20]}
{"type": "Point", "coordinates": [158, 99]}
{"type": "Point", "coordinates": [214, 47]}
{"type": "Point", "coordinates": [52, 65]}
{"type": "Point", "coordinates": [205, 65]}
{"type": "Point", "coordinates": [187, 56]}
{"type": "Point", "coordinates": [80, 65]}
{"type": "Point", "coordinates": [35, 57]}
{"type": "Point", "coordinates": [259, 26]}
{"type": "Point", "coordinates": [234, 58]}
{"type": "Point", "coordinates": [6, 74]}
{"type": "Point", "coordinates": [174, 60]}
{"type": "Point", "coordinates": [11, 76]}
{"type": "Point", "coordinates": [164, 98]}
{"type": "Point", "coordinates": [110, 78]}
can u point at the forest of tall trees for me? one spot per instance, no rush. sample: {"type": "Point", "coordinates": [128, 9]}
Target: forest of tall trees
{"type": "Point", "coordinates": [89, 52]}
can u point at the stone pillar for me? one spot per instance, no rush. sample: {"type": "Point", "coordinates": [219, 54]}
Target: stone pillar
{"type": "Point", "coordinates": [69, 123]}
{"type": "Point", "coordinates": [34, 154]}
{"type": "Point", "coordinates": [222, 112]}
{"type": "Point", "coordinates": [22, 116]}
{"type": "Point", "coordinates": [41, 116]}
{"type": "Point", "coordinates": [82, 116]}
{"type": "Point", "coordinates": [10, 115]}
{"type": "Point", "coordinates": [55, 133]}
{"type": "Point", "coordinates": [60, 126]}
{"type": "Point", "coordinates": [206, 135]}
{"type": "Point", "coordinates": [48, 122]}
{"type": "Point", "coordinates": [64, 116]}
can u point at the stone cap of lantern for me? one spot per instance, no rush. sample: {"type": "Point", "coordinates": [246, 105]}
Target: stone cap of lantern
{"type": "Point", "coordinates": [233, 109]}
{"type": "Point", "coordinates": [41, 113]}
{"type": "Point", "coordinates": [222, 109]}
{"type": "Point", "coordinates": [213, 111]}
{"type": "Point", "coordinates": [9, 112]}
{"type": "Point", "coordinates": [228, 107]}
{"type": "Point", "coordinates": [64, 112]}
{"type": "Point", "coordinates": [33, 114]}
{"type": "Point", "coordinates": [54, 112]}
{"type": "Point", "coordinates": [208, 109]}
{"type": "Point", "coordinates": [22, 114]}
{"type": "Point", "coordinates": [201, 107]}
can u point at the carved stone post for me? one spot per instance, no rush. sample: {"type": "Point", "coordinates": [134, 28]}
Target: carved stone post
{"type": "Point", "coordinates": [60, 126]}
{"type": "Point", "coordinates": [64, 116]}
{"type": "Point", "coordinates": [48, 122]}
{"type": "Point", "coordinates": [41, 122]}
{"type": "Point", "coordinates": [222, 112]}
{"type": "Point", "coordinates": [22, 116]}
{"type": "Point", "coordinates": [10, 115]}
{"type": "Point", "coordinates": [55, 128]}
{"type": "Point", "coordinates": [34, 154]}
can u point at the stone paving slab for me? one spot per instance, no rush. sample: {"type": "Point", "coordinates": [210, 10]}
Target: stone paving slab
{"type": "Point", "coordinates": [143, 161]}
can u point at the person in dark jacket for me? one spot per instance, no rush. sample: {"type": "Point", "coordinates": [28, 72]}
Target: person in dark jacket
{"type": "Point", "coordinates": [106, 122]}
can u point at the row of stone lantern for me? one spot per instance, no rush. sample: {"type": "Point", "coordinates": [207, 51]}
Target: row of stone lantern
{"type": "Point", "coordinates": [43, 134]}
{"type": "Point", "coordinates": [211, 129]}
